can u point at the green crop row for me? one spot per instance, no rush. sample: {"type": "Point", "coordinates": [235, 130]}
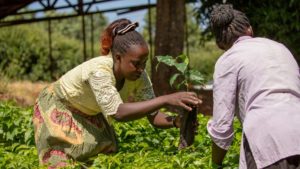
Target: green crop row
{"type": "Point", "coordinates": [140, 145]}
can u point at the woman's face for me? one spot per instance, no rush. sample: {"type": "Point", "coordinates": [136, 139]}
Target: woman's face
{"type": "Point", "coordinates": [133, 62]}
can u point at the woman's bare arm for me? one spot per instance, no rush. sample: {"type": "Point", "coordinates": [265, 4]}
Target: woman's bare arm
{"type": "Point", "coordinates": [132, 111]}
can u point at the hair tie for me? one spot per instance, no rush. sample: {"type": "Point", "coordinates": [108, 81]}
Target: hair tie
{"type": "Point", "coordinates": [128, 28]}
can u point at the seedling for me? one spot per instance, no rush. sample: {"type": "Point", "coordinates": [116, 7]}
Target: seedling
{"type": "Point", "coordinates": [190, 77]}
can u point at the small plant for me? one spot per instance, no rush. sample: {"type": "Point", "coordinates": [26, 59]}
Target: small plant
{"type": "Point", "coordinates": [181, 63]}
{"type": "Point", "coordinates": [191, 77]}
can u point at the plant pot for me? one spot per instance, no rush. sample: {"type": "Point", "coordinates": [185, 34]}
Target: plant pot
{"type": "Point", "coordinates": [188, 128]}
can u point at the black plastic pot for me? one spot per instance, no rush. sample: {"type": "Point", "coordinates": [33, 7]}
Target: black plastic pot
{"type": "Point", "coordinates": [188, 128]}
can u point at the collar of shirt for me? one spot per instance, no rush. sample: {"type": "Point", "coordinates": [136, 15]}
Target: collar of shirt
{"type": "Point", "coordinates": [242, 38]}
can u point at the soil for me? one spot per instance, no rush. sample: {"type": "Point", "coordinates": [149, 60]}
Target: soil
{"type": "Point", "coordinates": [24, 93]}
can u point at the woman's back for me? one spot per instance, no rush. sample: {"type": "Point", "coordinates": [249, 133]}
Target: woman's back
{"type": "Point", "coordinates": [268, 93]}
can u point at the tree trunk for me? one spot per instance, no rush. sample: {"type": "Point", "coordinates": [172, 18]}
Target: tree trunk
{"type": "Point", "coordinates": [169, 40]}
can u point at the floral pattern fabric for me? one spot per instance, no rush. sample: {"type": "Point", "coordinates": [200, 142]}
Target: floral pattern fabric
{"type": "Point", "coordinates": [62, 132]}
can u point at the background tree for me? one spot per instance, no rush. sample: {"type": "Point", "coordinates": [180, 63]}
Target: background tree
{"type": "Point", "coordinates": [278, 20]}
{"type": "Point", "coordinates": [202, 53]}
{"type": "Point", "coordinates": [72, 28]}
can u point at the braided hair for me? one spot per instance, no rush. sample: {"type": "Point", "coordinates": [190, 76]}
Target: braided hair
{"type": "Point", "coordinates": [119, 36]}
{"type": "Point", "coordinates": [228, 24]}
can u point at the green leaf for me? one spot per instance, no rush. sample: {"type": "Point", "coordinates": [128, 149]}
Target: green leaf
{"type": "Point", "coordinates": [181, 67]}
{"type": "Point", "coordinates": [180, 84]}
{"type": "Point", "coordinates": [182, 62]}
{"type": "Point", "coordinates": [195, 77]}
{"type": "Point", "coordinates": [131, 133]}
{"type": "Point", "coordinates": [173, 78]}
{"type": "Point", "coordinates": [144, 145]}
{"type": "Point", "coordinates": [168, 60]}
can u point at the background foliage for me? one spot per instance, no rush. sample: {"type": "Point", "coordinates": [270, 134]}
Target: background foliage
{"type": "Point", "coordinates": [25, 53]}
{"type": "Point", "coordinates": [24, 50]}
{"type": "Point", "coordinates": [278, 20]}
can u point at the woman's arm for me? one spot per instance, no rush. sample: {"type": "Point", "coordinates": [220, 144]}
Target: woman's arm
{"type": "Point", "coordinates": [132, 111]}
{"type": "Point", "coordinates": [220, 126]}
{"type": "Point", "coordinates": [218, 154]}
{"type": "Point", "coordinates": [111, 103]}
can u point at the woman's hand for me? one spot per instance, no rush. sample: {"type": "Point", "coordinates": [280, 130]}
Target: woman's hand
{"type": "Point", "coordinates": [185, 100]}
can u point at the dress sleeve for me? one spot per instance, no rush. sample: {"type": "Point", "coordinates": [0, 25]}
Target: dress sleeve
{"type": "Point", "coordinates": [220, 127]}
{"type": "Point", "coordinates": [105, 92]}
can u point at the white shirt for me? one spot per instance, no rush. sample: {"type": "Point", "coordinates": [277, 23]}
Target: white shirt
{"type": "Point", "coordinates": [260, 78]}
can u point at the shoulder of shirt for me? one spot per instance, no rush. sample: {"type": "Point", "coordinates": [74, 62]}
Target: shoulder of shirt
{"type": "Point", "coordinates": [257, 39]}
{"type": "Point", "coordinates": [232, 54]}
{"type": "Point", "coordinates": [99, 61]}
{"type": "Point", "coordinates": [98, 64]}
{"type": "Point", "coordinates": [227, 56]}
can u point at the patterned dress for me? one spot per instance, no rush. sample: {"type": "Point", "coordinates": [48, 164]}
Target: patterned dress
{"type": "Point", "coordinates": [72, 116]}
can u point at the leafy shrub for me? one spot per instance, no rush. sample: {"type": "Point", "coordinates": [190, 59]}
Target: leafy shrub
{"type": "Point", "coordinates": [24, 53]}
{"type": "Point", "coordinates": [17, 148]}
{"type": "Point", "coordinates": [16, 125]}
{"type": "Point", "coordinates": [19, 156]}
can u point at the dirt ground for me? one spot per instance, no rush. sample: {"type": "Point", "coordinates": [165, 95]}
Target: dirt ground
{"type": "Point", "coordinates": [23, 93]}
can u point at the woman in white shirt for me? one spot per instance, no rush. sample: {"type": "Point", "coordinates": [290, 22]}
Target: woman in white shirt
{"type": "Point", "coordinates": [260, 79]}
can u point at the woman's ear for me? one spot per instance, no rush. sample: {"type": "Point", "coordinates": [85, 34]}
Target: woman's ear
{"type": "Point", "coordinates": [118, 58]}
{"type": "Point", "coordinates": [249, 31]}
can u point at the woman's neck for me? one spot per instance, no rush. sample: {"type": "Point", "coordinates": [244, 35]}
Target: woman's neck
{"type": "Point", "coordinates": [119, 78]}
